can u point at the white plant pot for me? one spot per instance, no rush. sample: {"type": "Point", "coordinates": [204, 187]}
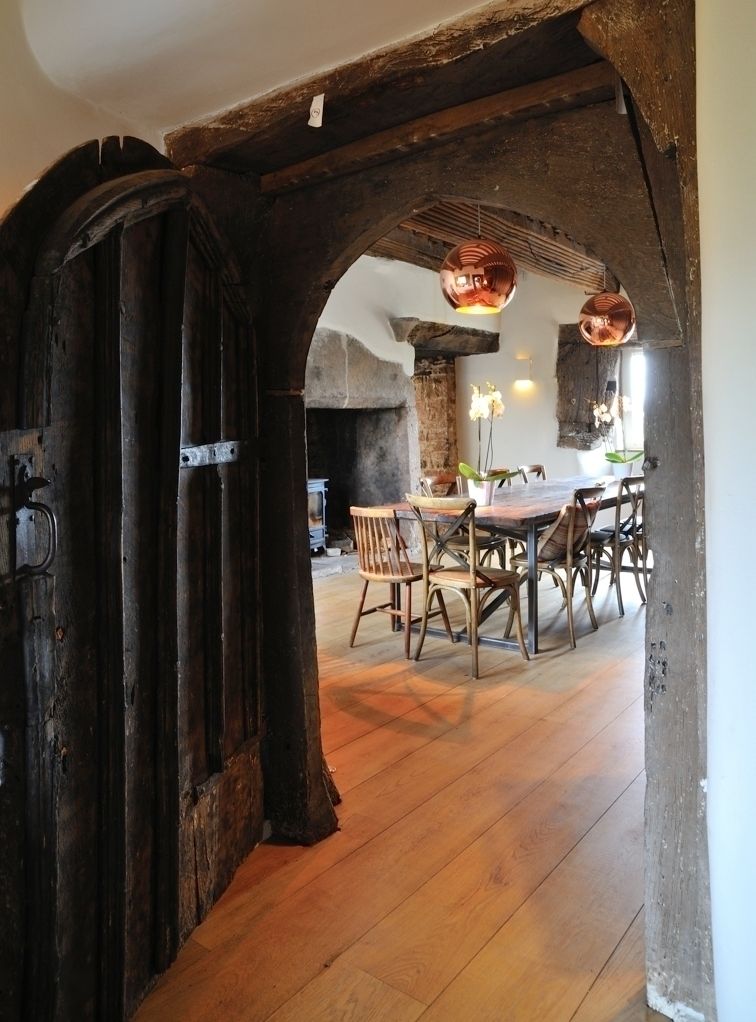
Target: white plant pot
{"type": "Point", "coordinates": [625, 468]}
{"type": "Point", "coordinates": [482, 493]}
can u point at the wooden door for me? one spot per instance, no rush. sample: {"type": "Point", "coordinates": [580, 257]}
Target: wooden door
{"type": "Point", "coordinates": [139, 642]}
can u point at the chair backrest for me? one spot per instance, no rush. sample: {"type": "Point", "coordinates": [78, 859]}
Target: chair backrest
{"type": "Point", "coordinates": [629, 512]}
{"type": "Point", "coordinates": [441, 538]}
{"type": "Point", "coordinates": [502, 482]}
{"type": "Point", "coordinates": [441, 484]}
{"type": "Point", "coordinates": [381, 550]}
{"type": "Point", "coordinates": [567, 537]}
{"type": "Point", "coordinates": [537, 471]}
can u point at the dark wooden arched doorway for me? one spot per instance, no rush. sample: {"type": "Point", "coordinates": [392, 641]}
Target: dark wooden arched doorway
{"type": "Point", "coordinates": [131, 710]}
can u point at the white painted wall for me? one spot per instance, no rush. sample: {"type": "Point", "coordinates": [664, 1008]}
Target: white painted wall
{"type": "Point", "coordinates": [38, 122]}
{"type": "Point", "coordinates": [726, 43]}
{"type": "Point", "coordinates": [527, 432]}
{"type": "Point", "coordinates": [166, 62]}
{"type": "Point", "coordinates": [375, 290]}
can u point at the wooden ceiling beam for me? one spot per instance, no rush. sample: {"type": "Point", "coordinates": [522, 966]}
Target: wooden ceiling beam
{"type": "Point", "coordinates": [212, 139]}
{"type": "Point", "coordinates": [586, 84]}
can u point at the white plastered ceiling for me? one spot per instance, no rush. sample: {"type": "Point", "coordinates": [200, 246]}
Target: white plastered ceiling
{"type": "Point", "coordinates": [164, 63]}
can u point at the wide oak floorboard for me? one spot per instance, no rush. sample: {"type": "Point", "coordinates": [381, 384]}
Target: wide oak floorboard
{"type": "Point", "coordinates": [489, 860]}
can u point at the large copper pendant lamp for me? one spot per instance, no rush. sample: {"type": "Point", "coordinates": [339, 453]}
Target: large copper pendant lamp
{"type": "Point", "coordinates": [607, 320]}
{"type": "Point", "coordinates": [478, 277]}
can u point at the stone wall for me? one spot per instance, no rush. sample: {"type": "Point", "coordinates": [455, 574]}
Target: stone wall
{"type": "Point", "coordinates": [370, 454]}
{"type": "Point", "coordinates": [436, 402]}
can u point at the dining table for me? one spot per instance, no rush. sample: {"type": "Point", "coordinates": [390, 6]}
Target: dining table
{"type": "Point", "coordinates": [523, 511]}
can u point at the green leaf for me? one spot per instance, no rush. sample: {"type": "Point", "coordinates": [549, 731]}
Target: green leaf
{"type": "Point", "coordinates": [619, 458]}
{"type": "Point", "coordinates": [495, 476]}
{"type": "Point", "coordinates": [469, 472]}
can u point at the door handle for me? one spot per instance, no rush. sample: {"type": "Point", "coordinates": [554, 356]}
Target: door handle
{"type": "Point", "coordinates": [24, 490]}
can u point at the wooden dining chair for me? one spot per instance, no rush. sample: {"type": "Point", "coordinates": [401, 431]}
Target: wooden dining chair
{"type": "Point", "coordinates": [611, 544]}
{"type": "Point", "coordinates": [446, 484]}
{"type": "Point", "coordinates": [441, 484]}
{"type": "Point", "coordinates": [382, 556]}
{"type": "Point", "coordinates": [507, 479]}
{"type": "Point", "coordinates": [515, 544]}
{"type": "Point", "coordinates": [565, 546]}
{"type": "Point", "coordinates": [536, 471]}
{"type": "Point", "coordinates": [464, 576]}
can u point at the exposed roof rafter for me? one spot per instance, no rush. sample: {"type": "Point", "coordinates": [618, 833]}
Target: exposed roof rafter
{"type": "Point", "coordinates": [425, 238]}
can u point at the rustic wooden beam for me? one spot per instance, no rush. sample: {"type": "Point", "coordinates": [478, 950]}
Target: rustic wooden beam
{"type": "Point", "coordinates": [653, 48]}
{"type": "Point", "coordinates": [453, 41]}
{"type": "Point", "coordinates": [533, 99]}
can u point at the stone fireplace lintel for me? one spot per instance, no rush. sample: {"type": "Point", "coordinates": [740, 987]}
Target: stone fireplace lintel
{"type": "Point", "coordinates": [429, 338]}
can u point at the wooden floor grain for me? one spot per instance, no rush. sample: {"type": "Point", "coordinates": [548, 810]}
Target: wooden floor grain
{"type": "Point", "coordinates": [489, 861]}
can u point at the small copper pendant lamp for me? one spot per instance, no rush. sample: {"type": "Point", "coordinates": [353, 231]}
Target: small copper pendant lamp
{"type": "Point", "coordinates": [607, 320]}
{"type": "Point", "coordinates": [478, 277]}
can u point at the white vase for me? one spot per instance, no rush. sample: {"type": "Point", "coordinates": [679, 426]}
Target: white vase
{"type": "Point", "coordinates": [621, 469]}
{"type": "Point", "coordinates": [482, 493]}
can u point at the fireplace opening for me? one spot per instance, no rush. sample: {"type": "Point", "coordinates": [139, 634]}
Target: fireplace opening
{"type": "Point", "coordinates": [361, 427]}
{"type": "Point", "coordinates": [363, 454]}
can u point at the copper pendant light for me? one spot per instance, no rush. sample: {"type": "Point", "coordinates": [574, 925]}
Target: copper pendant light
{"type": "Point", "coordinates": [478, 277]}
{"type": "Point", "coordinates": [607, 320]}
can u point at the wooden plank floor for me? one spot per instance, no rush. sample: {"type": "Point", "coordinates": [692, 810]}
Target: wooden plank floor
{"type": "Point", "coordinates": [489, 862]}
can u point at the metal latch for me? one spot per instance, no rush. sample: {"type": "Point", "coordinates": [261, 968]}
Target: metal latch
{"type": "Point", "coordinates": [23, 490]}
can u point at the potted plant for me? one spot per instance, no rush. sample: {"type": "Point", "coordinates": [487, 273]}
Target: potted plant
{"type": "Point", "coordinates": [608, 420]}
{"type": "Point", "coordinates": [481, 482]}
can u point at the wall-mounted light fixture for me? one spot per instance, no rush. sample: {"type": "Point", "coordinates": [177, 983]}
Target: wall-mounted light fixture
{"type": "Point", "coordinates": [524, 381]}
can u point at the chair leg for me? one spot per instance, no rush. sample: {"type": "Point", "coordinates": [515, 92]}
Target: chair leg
{"type": "Point", "coordinates": [407, 618]}
{"type": "Point", "coordinates": [473, 630]}
{"type": "Point", "coordinates": [618, 579]}
{"type": "Point", "coordinates": [423, 624]}
{"type": "Point", "coordinates": [597, 555]}
{"type": "Point", "coordinates": [644, 554]}
{"type": "Point", "coordinates": [396, 605]}
{"type": "Point", "coordinates": [637, 554]}
{"type": "Point", "coordinates": [510, 620]}
{"type": "Point", "coordinates": [558, 583]}
{"type": "Point", "coordinates": [589, 595]}
{"type": "Point", "coordinates": [514, 609]}
{"type": "Point", "coordinates": [570, 583]}
{"type": "Point", "coordinates": [445, 616]}
{"type": "Point", "coordinates": [359, 612]}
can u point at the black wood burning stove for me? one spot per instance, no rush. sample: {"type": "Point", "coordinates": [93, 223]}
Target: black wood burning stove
{"type": "Point", "coordinates": [316, 506]}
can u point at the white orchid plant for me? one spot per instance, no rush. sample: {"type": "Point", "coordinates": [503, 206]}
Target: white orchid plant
{"type": "Point", "coordinates": [485, 405]}
{"type": "Point", "coordinates": [607, 419]}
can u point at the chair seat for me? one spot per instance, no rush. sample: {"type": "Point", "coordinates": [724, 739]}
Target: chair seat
{"type": "Point", "coordinates": [407, 572]}
{"type": "Point", "coordinates": [497, 577]}
{"type": "Point", "coordinates": [521, 561]}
